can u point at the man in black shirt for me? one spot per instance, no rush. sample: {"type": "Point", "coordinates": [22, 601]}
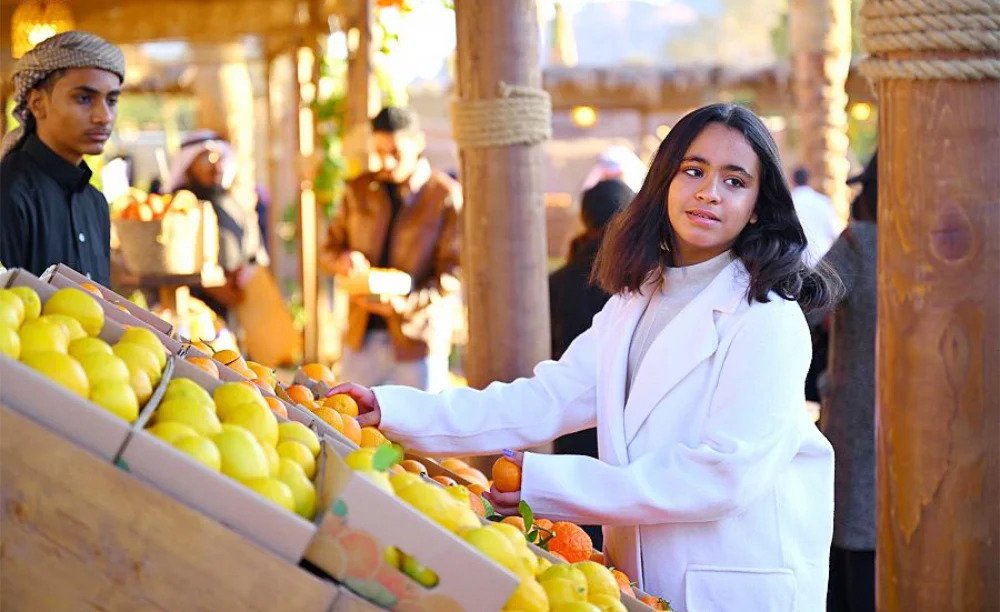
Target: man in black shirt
{"type": "Point", "coordinates": [66, 94]}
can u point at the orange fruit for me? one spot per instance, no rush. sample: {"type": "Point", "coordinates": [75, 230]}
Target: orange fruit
{"type": "Point", "coordinates": [276, 406]}
{"type": "Point", "coordinates": [506, 475]}
{"type": "Point", "coordinates": [445, 480]}
{"type": "Point", "coordinates": [473, 475]}
{"type": "Point", "coordinates": [204, 363]}
{"type": "Point", "coordinates": [372, 437]}
{"type": "Point", "coordinates": [261, 372]}
{"type": "Point", "coordinates": [318, 371]}
{"type": "Point", "coordinates": [395, 468]}
{"type": "Point", "coordinates": [475, 487]}
{"type": "Point", "coordinates": [516, 521]}
{"type": "Point", "coordinates": [92, 289]}
{"type": "Point", "coordinates": [476, 502]}
{"type": "Point", "coordinates": [571, 541]}
{"type": "Point", "coordinates": [411, 465]}
{"type": "Point", "coordinates": [654, 602]}
{"type": "Point", "coordinates": [228, 357]}
{"type": "Point", "coordinates": [598, 557]}
{"type": "Point", "coordinates": [330, 416]}
{"type": "Point", "coordinates": [343, 404]}
{"type": "Point", "coordinates": [543, 523]}
{"type": "Point", "coordinates": [624, 584]}
{"type": "Point", "coordinates": [300, 394]}
{"type": "Point", "coordinates": [352, 431]}
{"type": "Point", "coordinates": [261, 385]}
{"type": "Point", "coordinates": [454, 464]}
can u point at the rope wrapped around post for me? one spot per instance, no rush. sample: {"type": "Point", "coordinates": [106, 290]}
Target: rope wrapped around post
{"type": "Point", "coordinates": [519, 115]}
{"type": "Point", "coordinates": [948, 26]}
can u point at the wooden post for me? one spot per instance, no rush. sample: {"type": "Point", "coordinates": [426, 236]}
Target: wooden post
{"type": "Point", "coordinates": [361, 104]}
{"type": "Point", "coordinates": [504, 265]}
{"type": "Point", "coordinates": [938, 422]}
{"type": "Point", "coordinates": [821, 58]}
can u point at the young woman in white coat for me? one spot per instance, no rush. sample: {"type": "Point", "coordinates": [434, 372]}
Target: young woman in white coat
{"type": "Point", "coordinates": [714, 488]}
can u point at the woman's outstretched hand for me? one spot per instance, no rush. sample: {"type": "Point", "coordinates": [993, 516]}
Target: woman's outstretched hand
{"type": "Point", "coordinates": [369, 413]}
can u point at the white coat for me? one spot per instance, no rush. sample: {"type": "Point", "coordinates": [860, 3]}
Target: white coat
{"type": "Point", "coordinates": [715, 489]}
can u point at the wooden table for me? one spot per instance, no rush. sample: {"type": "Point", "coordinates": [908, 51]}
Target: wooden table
{"type": "Point", "coordinates": [78, 533]}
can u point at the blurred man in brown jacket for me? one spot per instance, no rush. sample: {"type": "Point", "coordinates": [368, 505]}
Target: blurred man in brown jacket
{"type": "Point", "coordinates": [404, 215]}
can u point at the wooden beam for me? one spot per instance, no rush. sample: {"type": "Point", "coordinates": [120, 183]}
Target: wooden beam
{"type": "Point", "coordinates": [79, 533]}
{"type": "Point", "coordinates": [504, 265]}
{"type": "Point", "coordinates": [938, 397]}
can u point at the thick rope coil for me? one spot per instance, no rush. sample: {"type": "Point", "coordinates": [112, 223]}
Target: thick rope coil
{"type": "Point", "coordinates": [519, 115]}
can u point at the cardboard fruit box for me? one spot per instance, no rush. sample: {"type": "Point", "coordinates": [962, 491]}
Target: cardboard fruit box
{"type": "Point", "coordinates": [215, 495]}
{"type": "Point", "coordinates": [68, 274]}
{"type": "Point", "coordinates": [360, 520]}
{"type": "Point", "coordinates": [57, 408]}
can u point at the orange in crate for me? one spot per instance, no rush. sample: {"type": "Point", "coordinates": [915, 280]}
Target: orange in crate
{"type": "Point", "coordinates": [571, 542]}
{"type": "Point", "coordinates": [206, 364]}
{"type": "Point", "coordinates": [343, 404]}
{"type": "Point", "coordinates": [372, 437]}
{"type": "Point", "coordinates": [320, 372]}
{"type": "Point", "coordinates": [300, 394]}
{"type": "Point", "coordinates": [330, 416]}
{"type": "Point", "coordinates": [624, 584]}
{"type": "Point", "coordinates": [352, 431]}
{"type": "Point", "coordinates": [276, 406]}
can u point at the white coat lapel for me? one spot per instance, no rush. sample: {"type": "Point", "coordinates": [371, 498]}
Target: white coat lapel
{"type": "Point", "coordinates": [686, 341]}
{"type": "Point", "coordinates": [614, 368]}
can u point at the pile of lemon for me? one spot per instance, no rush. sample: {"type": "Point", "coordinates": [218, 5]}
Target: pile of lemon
{"type": "Point", "coordinates": [584, 586]}
{"type": "Point", "coordinates": [233, 431]}
{"type": "Point", "coordinates": [60, 340]}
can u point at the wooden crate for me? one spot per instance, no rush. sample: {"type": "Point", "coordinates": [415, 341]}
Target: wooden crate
{"type": "Point", "coordinates": [76, 533]}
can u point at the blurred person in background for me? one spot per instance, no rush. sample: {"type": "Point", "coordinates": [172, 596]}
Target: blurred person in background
{"type": "Point", "coordinates": [205, 166]}
{"type": "Point", "coordinates": [574, 300]}
{"type": "Point", "coordinates": [66, 93]}
{"type": "Point", "coordinates": [404, 215]}
{"type": "Point", "coordinates": [847, 417]}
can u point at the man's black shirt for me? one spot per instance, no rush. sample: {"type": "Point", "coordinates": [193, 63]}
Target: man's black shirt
{"type": "Point", "coordinates": [49, 213]}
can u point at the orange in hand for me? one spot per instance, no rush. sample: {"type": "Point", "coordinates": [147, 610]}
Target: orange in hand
{"type": "Point", "coordinates": [343, 404]}
{"type": "Point", "coordinates": [506, 475]}
{"type": "Point", "coordinates": [351, 431]}
{"type": "Point", "coordinates": [372, 437]}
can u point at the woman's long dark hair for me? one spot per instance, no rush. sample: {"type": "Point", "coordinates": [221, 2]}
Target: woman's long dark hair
{"type": "Point", "coordinates": [770, 249]}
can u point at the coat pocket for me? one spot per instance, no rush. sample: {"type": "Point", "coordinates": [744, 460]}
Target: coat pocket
{"type": "Point", "coordinates": [710, 588]}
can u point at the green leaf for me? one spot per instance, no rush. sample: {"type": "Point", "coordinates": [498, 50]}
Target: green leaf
{"type": "Point", "coordinates": [525, 510]}
{"type": "Point", "coordinates": [532, 535]}
{"type": "Point", "coordinates": [489, 511]}
{"type": "Point", "coordinates": [385, 456]}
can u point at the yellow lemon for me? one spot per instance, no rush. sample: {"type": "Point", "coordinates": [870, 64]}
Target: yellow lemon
{"type": "Point", "coordinates": [303, 491]}
{"type": "Point", "coordinates": [185, 387]}
{"type": "Point", "coordinates": [600, 580]}
{"type": "Point", "coordinates": [561, 591]}
{"type": "Point", "coordinates": [198, 417]}
{"type": "Point", "coordinates": [10, 342]}
{"type": "Point", "coordinates": [171, 431]}
{"type": "Point", "coordinates": [273, 460]}
{"type": "Point", "coordinates": [116, 396]}
{"type": "Point", "coordinates": [297, 452]}
{"type": "Point", "coordinates": [609, 603]}
{"type": "Point", "coordinates": [138, 357]}
{"type": "Point", "coordinates": [11, 309]}
{"type": "Point", "coordinates": [360, 459]}
{"type": "Point", "coordinates": [242, 456]}
{"type": "Point", "coordinates": [39, 335]}
{"type": "Point", "coordinates": [32, 303]}
{"type": "Point", "coordinates": [299, 433]}
{"type": "Point", "coordinates": [61, 369]}
{"type": "Point", "coordinates": [576, 606]}
{"type": "Point", "coordinates": [79, 305]}
{"type": "Point", "coordinates": [101, 366]}
{"type": "Point", "coordinates": [529, 596]}
{"type": "Point", "coordinates": [139, 381]}
{"type": "Point", "coordinates": [274, 490]}
{"type": "Point", "coordinates": [82, 346]}
{"type": "Point", "coordinates": [73, 327]}
{"type": "Point", "coordinates": [201, 449]}
{"type": "Point", "coordinates": [231, 394]}
{"type": "Point", "coordinates": [257, 419]}
{"type": "Point", "coordinates": [145, 337]}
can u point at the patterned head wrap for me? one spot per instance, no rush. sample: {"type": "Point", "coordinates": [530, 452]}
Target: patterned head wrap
{"type": "Point", "coordinates": [67, 50]}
